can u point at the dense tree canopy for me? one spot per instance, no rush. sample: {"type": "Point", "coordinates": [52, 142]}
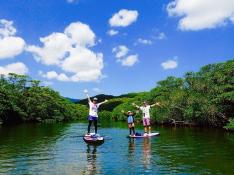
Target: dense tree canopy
{"type": "Point", "coordinates": [205, 98]}
{"type": "Point", "coordinates": [23, 99]}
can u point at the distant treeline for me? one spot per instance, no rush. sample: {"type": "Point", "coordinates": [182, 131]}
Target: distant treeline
{"type": "Point", "coordinates": [204, 98]}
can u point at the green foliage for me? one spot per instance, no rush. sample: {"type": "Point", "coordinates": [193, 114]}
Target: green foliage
{"type": "Point", "coordinates": [230, 125]}
{"type": "Point", "coordinates": [105, 116]}
{"type": "Point", "coordinates": [23, 99]}
{"type": "Point", "coordinates": [82, 113]}
{"type": "Point", "coordinates": [205, 97]}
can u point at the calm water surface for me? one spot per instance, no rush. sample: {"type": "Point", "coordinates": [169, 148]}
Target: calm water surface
{"type": "Point", "coordinates": [59, 149]}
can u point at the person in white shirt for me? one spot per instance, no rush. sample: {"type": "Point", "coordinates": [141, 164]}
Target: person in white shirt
{"type": "Point", "coordinates": [145, 109]}
{"type": "Point", "coordinates": [93, 111]}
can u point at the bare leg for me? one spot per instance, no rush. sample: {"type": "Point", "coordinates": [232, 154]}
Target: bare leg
{"type": "Point", "coordinates": [148, 129]}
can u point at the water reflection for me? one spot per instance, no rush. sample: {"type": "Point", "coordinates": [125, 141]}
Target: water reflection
{"type": "Point", "coordinates": [92, 166]}
{"type": "Point", "coordinates": [146, 153]}
{"type": "Point", "coordinates": [22, 147]}
{"type": "Point", "coordinates": [131, 146]}
{"type": "Point", "coordinates": [57, 149]}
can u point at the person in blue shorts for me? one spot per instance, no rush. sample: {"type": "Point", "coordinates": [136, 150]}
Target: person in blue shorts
{"type": "Point", "coordinates": [130, 119]}
{"type": "Point", "coordinates": [93, 111]}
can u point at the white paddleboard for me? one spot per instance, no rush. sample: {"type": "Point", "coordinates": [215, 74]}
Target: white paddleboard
{"type": "Point", "coordinates": [145, 135]}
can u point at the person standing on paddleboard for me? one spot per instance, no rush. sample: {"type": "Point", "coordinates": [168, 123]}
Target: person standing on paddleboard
{"type": "Point", "coordinates": [93, 111]}
{"type": "Point", "coordinates": [130, 118]}
{"type": "Point", "coordinates": [145, 108]}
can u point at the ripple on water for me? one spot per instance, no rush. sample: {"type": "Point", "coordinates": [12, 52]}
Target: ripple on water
{"type": "Point", "coordinates": [59, 149]}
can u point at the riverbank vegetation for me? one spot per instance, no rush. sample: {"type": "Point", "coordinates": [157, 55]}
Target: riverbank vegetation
{"type": "Point", "coordinates": [24, 100]}
{"type": "Point", "coordinates": [204, 98]}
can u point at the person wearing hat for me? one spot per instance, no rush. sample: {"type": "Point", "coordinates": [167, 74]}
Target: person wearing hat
{"type": "Point", "coordinates": [145, 109]}
{"type": "Point", "coordinates": [130, 118]}
{"type": "Point", "coordinates": [93, 111]}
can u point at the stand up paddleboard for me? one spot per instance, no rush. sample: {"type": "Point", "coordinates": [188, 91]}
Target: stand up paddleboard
{"type": "Point", "coordinates": [93, 139]}
{"type": "Point", "coordinates": [144, 135]}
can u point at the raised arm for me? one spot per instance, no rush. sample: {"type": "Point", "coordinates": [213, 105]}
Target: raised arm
{"type": "Point", "coordinates": [103, 102]}
{"type": "Point", "coordinates": [87, 95]}
{"type": "Point", "coordinates": [136, 106]}
{"type": "Point", "coordinates": [155, 104]}
{"type": "Point", "coordinates": [124, 113]}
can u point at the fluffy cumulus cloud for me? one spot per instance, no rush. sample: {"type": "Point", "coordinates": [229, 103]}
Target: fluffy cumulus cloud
{"type": "Point", "coordinates": [130, 60]}
{"type": "Point", "coordinates": [112, 32]}
{"type": "Point", "coordinates": [80, 34]}
{"type": "Point", "coordinates": [54, 75]}
{"type": "Point", "coordinates": [201, 14]}
{"type": "Point", "coordinates": [54, 49]}
{"type": "Point", "coordinates": [17, 68]}
{"type": "Point", "coordinates": [123, 18]}
{"type": "Point", "coordinates": [169, 64]}
{"type": "Point", "coordinates": [71, 52]}
{"type": "Point", "coordinates": [120, 51]}
{"type": "Point", "coordinates": [10, 45]}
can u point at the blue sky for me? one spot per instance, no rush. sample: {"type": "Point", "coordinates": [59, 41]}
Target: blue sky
{"type": "Point", "coordinates": [149, 40]}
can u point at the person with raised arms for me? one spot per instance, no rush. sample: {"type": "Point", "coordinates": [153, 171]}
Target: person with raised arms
{"type": "Point", "coordinates": [93, 111]}
{"type": "Point", "coordinates": [145, 109]}
{"type": "Point", "coordinates": [130, 119]}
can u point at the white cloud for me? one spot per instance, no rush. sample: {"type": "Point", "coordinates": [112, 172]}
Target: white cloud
{"type": "Point", "coordinates": [54, 75]}
{"type": "Point", "coordinates": [112, 32]}
{"type": "Point", "coordinates": [71, 52]}
{"type": "Point", "coordinates": [201, 14]}
{"type": "Point", "coordinates": [84, 63]}
{"type": "Point", "coordinates": [55, 47]}
{"type": "Point", "coordinates": [120, 51]}
{"type": "Point", "coordinates": [123, 18]}
{"type": "Point", "coordinates": [129, 61]}
{"type": "Point", "coordinates": [10, 45]}
{"type": "Point", "coordinates": [80, 34]}
{"type": "Point", "coordinates": [144, 41]}
{"type": "Point", "coordinates": [17, 68]}
{"type": "Point", "coordinates": [6, 28]}
{"type": "Point", "coordinates": [169, 64]}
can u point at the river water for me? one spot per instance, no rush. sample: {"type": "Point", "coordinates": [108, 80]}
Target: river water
{"type": "Point", "coordinates": [59, 149]}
